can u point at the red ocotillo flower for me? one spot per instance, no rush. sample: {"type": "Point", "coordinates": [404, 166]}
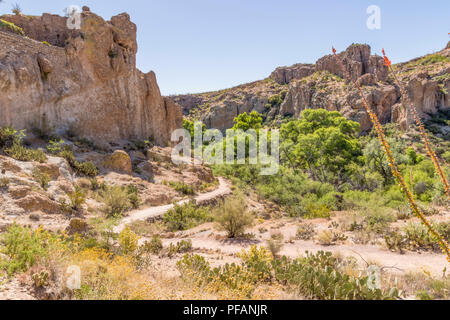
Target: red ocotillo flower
{"type": "Point", "coordinates": [387, 62]}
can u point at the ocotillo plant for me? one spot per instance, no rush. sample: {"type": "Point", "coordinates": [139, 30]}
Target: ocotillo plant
{"type": "Point", "coordinates": [395, 172]}
{"type": "Point", "coordinates": [420, 125]}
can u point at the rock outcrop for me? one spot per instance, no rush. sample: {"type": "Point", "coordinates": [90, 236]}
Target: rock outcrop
{"type": "Point", "coordinates": [323, 85]}
{"type": "Point", "coordinates": [357, 60]}
{"type": "Point", "coordinates": [284, 75]}
{"type": "Point", "coordinates": [83, 80]}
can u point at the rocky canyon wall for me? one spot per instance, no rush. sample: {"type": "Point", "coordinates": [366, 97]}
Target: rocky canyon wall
{"type": "Point", "coordinates": [83, 80]}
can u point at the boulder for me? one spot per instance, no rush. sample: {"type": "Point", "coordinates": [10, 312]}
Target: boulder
{"type": "Point", "coordinates": [119, 162]}
{"type": "Point", "coordinates": [35, 201]}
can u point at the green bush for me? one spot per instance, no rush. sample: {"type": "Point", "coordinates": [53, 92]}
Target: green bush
{"type": "Point", "coordinates": [133, 196]}
{"type": "Point", "coordinates": [24, 247]}
{"type": "Point", "coordinates": [155, 245]}
{"type": "Point", "coordinates": [116, 200]}
{"type": "Point", "coordinates": [9, 136]}
{"type": "Point", "coordinates": [184, 217]}
{"type": "Point", "coordinates": [21, 153]}
{"type": "Point", "coordinates": [88, 168]}
{"type": "Point", "coordinates": [305, 231]}
{"type": "Point", "coordinates": [182, 188]}
{"type": "Point", "coordinates": [232, 216]}
{"type": "Point", "coordinates": [183, 246]}
{"type": "Point", "coordinates": [77, 199]}
{"type": "Point", "coordinates": [55, 146]}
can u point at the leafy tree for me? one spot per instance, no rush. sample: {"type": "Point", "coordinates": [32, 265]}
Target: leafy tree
{"type": "Point", "coordinates": [321, 142]}
{"type": "Point", "coordinates": [376, 158]}
{"type": "Point", "coordinates": [248, 121]}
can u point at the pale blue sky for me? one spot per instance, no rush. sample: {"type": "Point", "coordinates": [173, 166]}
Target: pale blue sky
{"type": "Point", "coordinates": [202, 45]}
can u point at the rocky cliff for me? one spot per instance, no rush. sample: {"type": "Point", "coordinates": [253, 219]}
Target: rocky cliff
{"type": "Point", "coordinates": [321, 85]}
{"type": "Point", "coordinates": [83, 80]}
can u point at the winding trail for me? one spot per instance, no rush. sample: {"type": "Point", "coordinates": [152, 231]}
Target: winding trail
{"type": "Point", "coordinates": [155, 212]}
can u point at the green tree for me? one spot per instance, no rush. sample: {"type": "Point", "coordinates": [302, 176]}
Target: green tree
{"type": "Point", "coordinates": [246, 121]}
{"type": "Point", "coordinates": [376, 158]}
{"type": "Point", "coordinates": [321, 142]}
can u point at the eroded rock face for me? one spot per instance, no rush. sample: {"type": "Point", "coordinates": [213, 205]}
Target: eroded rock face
{"type": "Point", "coordinates": [86, 80]}
{"type": "Point", "coordinates": [284, 75]}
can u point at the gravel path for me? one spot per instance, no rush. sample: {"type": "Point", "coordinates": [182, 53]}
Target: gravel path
{"type": "Point", "coordinates": [154, 212]}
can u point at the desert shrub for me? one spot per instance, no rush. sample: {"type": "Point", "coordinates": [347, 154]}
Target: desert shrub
{"type": "Point", "coordinates": [275, 246]}
{"type": "Point", "coordinates": [116, 200]}
{"type": "Point", "coordinates": [41, 177]}
{"type": "Point", "coordinates": [155, 245]}
{"type": "Point", "coordinates": [187, 216]}
{"type": "Point", "coordinates": [231, 279]}
{"type": "Point", "coordinates": [432, 59]}
{"type": "Point", "coordinates": [418, 237]}
{"type": "Point", "coordinates": [21, 153]}
{"type": "Point", "coordinates": [128, 241]}
{"type": "Point", "coordinates": [95, 185]}
{"type": "Point", "coordinates": [182, 188]}
{"type": "Point", "coordinates": [55, 146]}
{"type": "Point", "coordinates": [9, 136]}
{"type": "Point", "coordinates": [305, 231]}
{"type": "Point", "coordinates": [232, 216]}
{"type": "Point", "coordinates": [87, 168]}
{"type": "Point", "coordinates": [325, 238]}
{"type": "Point", "coordinates": [377, 221]}
{"type": "Point", "coordinates": [275, 101]}
{"type": "Point", "coordinates": [11, 142]}
{"type": "Point", "coordinates": [183, 246]}
{"type": "Point", "coordinates": [446, 156]}
{"type": "Point", "coordinates": [109, 277]}
{"type": "Point", "coordinates": [77, 199]}
{"type": "Point", "coordinates": [258, 262]}
{"type": "Point", "coordinates": [415, 236]}
{"type": "Point", "coordinates": [133, 196]}
{"type": "Point", "coordinates": [24, 247]}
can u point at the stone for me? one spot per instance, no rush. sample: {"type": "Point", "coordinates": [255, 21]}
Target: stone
{"type": "Point", "coordinates": [44, 64]}
{"type": "Point", "coordinates": [85, 79]}
{"type": "Point", "coordinates": [34, 201]}
{"type": "Point", "coordinates": [119, 162]}
{"type": "Point", "coordinates": [147, 169]}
